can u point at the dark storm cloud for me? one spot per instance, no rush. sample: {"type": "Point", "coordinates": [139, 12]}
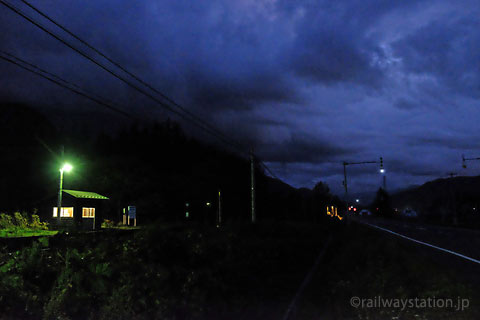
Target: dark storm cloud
{"type": "Point", "coordinates": [405, 104]}
{"type": "Point", "coordinates": [412, 168]}
{"type": "Point", "coordinates": [213, 92]}
{"type": "Point", "coordinates": [309, 84]}
{"type": "Point", "coordinates": [337, 63]}
{"type": "Point", "coordinates": [333, 55]}
{"type": "Point", "coordinates": [302, 148]}
{"type": "Point", "coordinates": [332, 45]}
{"type": "Point", "coordinates": [226, 58]}
{"type": "Point", "coordinates": [446, 49]}
{"type": "Point", "coordinates": [451, 142]}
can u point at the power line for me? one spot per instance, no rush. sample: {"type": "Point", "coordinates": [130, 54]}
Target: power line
{"type": "Point", "coordinates": [126, 71]}
{"type": "Point", "coordinates": [193, 118]}
{"type": "Point", "coordinates": [80, 91]}
{"type": "Point", "coordinates": [267, 168]}
{"type": "Point", "coordinates": [162, 104]}
{"type": "Point", "coordinates": [8, 57]}
{"type": "Point", "coordinates": [58, 82]}
{"type": "Point", "coordinates": [68, 83]}
{"type": "Point", "coordinates": [269, 171]}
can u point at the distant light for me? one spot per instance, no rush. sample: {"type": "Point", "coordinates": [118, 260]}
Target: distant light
{"type": "Point", "coordinates": [358, 200]}
{"type": "Point", "coordinates": [66, 167]}
{"type": "Point", "coordinates": [208, 204]}
{"type": "Point", "coordinates": [354, 209]}
{"type": "Point", "coordinates": [382, 170]}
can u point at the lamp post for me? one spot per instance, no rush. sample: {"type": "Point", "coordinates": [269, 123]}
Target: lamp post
{"type": "Point", "coordinates": [66, 168]}
{"type": "Point", "coordinates": [384, 176]}
{"type": "Point", "coordinates": [345, 164]}
{"type": "Point", "coordinates": [464, 164]}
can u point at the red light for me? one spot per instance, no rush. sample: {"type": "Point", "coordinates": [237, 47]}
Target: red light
{"type": "Point", "coordinates": [354, 209]}
{"type": "Point", "coordinates": [349, 208]}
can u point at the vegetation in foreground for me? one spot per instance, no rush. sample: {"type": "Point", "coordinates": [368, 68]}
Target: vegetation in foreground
{"type": "Point", "coordinates": [19, 225]}
{"type": "Point", "coordinates": [235, 272]}
{"type": "Point", "coordinates": [176, 272]}
{"type": "Point", "coordinates": [109, 224]}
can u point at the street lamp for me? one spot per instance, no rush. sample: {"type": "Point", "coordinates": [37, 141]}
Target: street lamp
{"type": "Point", "coordinates": [464, 164]}
{"type": "Point", "coordinates": [382, 171]}
{"type": "Point", "coordinates": [345, 164]}
{"type": "Point", "coordinates": [66, 168]}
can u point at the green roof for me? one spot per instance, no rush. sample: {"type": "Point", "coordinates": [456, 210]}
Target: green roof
{"type": "Point", "coordinates": [85, 194]}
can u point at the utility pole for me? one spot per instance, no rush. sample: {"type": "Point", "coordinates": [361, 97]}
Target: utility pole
{"type": "Point", "coordinates": [382, 171]}
{"type": "Point", "coordinates": [464, 164]}
{"type": "Point", "coordinates": [60, 186]}
{"type": "Point", "coordinates": [345, 182]}
{"type": "Point", "coordinates": [464, 160]}
{"type": "Point", "coordinates": [219, 217]}
{"type": "Point", "coordinates": [453, 202]}
{"type": "Point", "coordinates": [252, 181]}
{"type": "Point", "coordinates": [345, 164]}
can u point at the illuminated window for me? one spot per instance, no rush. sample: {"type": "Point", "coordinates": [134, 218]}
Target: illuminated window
{"type": "Point", "coordinates": [66, 212]}
{"type": "Point", "coordinates": [88, 212]}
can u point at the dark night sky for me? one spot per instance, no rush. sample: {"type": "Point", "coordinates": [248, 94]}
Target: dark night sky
{"type": "Point", "coordinates": [308, 83]}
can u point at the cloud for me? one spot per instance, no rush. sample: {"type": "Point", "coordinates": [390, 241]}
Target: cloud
{"type": "Point", "coordinates": [309, 84]}
{"type": "Point", "coordinates": [302, 148]}
{"type": "Point", "coordinates": [332, 56]}
{"type": "Point", "coordinates": [218, 92]}
{"type": "Point", "coordinates": [457, 142]}
{"type": "Point", "coordinates": [405, 104]}
{"type": "Point", "coordinates": [445, 49]}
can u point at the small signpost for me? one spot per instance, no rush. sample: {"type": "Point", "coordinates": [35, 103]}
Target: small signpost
{"type": "Point", "coordinates": [132, 214]}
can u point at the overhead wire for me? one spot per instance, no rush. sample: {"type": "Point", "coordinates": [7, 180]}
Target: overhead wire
{"type": "Point", "coordinates": [191, 117]}
{"type": "Point", "coordinates": [143, 82]}
{"type": "Point", "coordinates": [10, 58]}
{"type": "Point", "coordinates": [32, 68]}
{"type": "Point", "coordinates": [50, 74]}
{"type": "Point", "coordinates": [162, 104]}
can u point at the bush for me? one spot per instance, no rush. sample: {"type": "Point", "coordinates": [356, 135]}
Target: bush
{"type": "Point", "coordinates": [108, 224]}
{"type": "Point", "coordinates": [36, 224]}
{"type": "Point", "coordinates": [20, 220]}
{"type": "Point", "coordinates": [6, 221]}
